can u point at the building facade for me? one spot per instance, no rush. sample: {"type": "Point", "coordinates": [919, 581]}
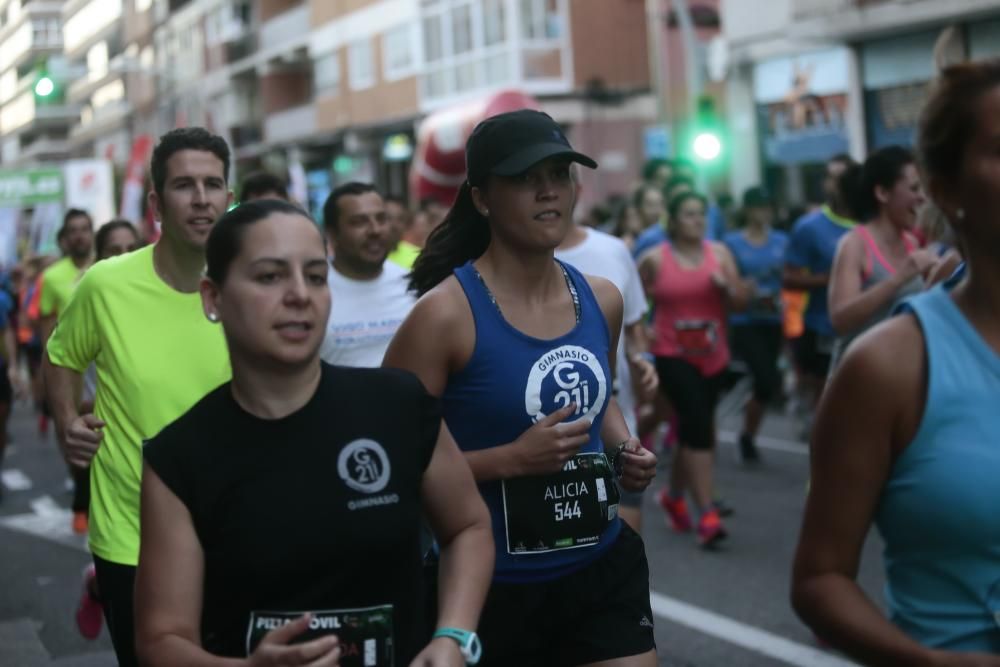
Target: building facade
{"type": "Point", "coordinates": [32, 129]}
{"type": "Point", "coordinates": [808, 79]}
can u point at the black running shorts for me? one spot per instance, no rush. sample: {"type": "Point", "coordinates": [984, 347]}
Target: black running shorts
{"type": "Point", "coordinates": [599, 613]}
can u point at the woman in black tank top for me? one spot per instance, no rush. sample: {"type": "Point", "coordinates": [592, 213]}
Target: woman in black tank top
{"type": "Point", "coordinates": [281, 515]}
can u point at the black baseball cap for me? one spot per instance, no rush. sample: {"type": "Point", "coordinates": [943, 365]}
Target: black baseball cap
{"type": "Point", "coordinates": [511, 143]}
{"type": "Point", "coordinates": [757, 196]}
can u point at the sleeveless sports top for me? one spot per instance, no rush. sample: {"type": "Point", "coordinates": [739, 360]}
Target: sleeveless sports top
{"type": "Point", "coordinates": [689, 317]}
{"type": "Point", "coordinates": [938, 510]}
{"type": "Point", "coordinates": [877, 269]}
{"type": "Point", "coordinates": [513, 380]}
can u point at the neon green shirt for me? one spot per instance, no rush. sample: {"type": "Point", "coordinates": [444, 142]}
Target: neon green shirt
{"type": "Point", "coordinates": [404, 255]}
{"type": "Point", "coordinates": [58, 282]}
{"type": "Point", "coordinates": [156, 356]}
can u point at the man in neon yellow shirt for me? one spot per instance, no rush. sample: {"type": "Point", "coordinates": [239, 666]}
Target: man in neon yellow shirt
{"type": "Point", "coordinates": [60, 279]}
{"type": "Point", "coordinates": [403, 253]}
{"type": "Point", "coordinates": [58, 282]}
{"type": "Point", "coordinates": [139, 318]}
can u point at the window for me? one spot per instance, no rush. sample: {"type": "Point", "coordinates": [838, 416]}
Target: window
{"type": "Point", "coordinates": [494, 22]}
{"type": "Point", "coordinates": [398, 57]}
{"type": "Point", "coordinates": [362, 65]}
{"type": "Point", "coordinates": [461, 29]}
{"type": "Point", "coordinates": [326, 74]}
{"type": "Point", "coordinates": [540, 19]}
{"type": "Point", "coordinates": [433, 39]}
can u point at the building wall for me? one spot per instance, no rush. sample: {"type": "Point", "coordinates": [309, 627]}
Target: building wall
{"type": "Point", "coordinates": [284, 90]}
{"type": "Point", "coordinates": [384, 101]}
{"type": "Point", "coordinates": [609, 42]}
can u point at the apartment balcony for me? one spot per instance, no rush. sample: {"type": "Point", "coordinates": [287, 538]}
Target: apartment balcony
{"type": "Point", "coordinates": [286, 27]}
{"type": "Point", "coordinates": [104, 120]}
{"type": "Point", "coordinates": [26, 44]}
{"type": "Point", "coordinates": [855, 20]}
{"type": "Point", "coordinates": [81, 89]}
{"type": "Point", "coordinates": [86, 24]}
{"type": "Point", "coordinates": [44, 149]}
{"type": "Point", "coordinates": [290, 124]}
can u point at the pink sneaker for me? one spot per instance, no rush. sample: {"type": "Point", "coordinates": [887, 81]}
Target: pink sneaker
{"type": "Point", "coordinates": [677, 513]}
{"type": "Point", "coordinates": [710, 529]}
{"type": "Point", "coordinates": [90, 613]}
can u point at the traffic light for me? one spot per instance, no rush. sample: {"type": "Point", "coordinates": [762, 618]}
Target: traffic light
{"type": "Point", "coordinates": [707, 137]}
{"type": "Point", "coordinates": [45, 86]}
{"type": "Point", "coordinates": [47, 89]}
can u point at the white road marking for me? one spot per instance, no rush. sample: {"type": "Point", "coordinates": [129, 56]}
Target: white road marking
{"type": "Point", "coordinates": [49, 521]}
{"type": "Point", "coordinates": [15, 480]}
{"type": "Point", "coordinates": [741, 634]}
{"type": "Point", "coordinates": [764, 442]}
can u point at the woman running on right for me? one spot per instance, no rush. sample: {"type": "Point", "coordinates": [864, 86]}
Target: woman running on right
{"type": "Point", "coordinates": [878, 263]}
{"type": "Point", "coordinates": [906, 436]}
{"type": "Point", "coordinates": [692, 282]}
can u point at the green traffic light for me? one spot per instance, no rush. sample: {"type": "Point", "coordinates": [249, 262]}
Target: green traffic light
{"type": "Point", "coordinates": [707, 146]}
{"type": "Point", "coordinates": [44, 87]}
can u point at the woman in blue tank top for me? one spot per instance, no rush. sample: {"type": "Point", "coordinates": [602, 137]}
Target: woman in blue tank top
{"type": "Point", "coordinates": [907, 435]}
{"type": "Point", "coordinates": [521, 349]}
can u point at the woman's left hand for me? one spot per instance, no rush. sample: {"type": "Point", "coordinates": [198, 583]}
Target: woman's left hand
{"type": "Point", "coordinates": [638, 467]}
{"type": "Point", "coordinates": [441, 652]}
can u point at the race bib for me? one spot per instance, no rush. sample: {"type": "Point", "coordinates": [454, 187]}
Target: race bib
{"type": "Point", "coordinates": [696, 337]}
{"type": "Point", "coordinates": [567, 510]}
{"type": "Point", "coordinates": [365, 634]}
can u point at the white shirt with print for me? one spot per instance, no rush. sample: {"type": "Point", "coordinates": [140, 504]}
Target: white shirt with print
{"type": "Point", "coordinates": [607, 257]}
{"type": "Point", "coordinates": [364, 316]}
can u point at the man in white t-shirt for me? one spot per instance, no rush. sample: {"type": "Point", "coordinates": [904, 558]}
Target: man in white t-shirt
{"type": "Point", "coordinates": [598, 254]}
{"type": "Point", "coordinates": [370, 296]}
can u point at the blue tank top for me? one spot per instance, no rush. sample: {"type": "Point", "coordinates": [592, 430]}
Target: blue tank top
{"type": "Point", "coordinates": [511, 381]}
{"type": "Point", "coordinates": [938, 511]}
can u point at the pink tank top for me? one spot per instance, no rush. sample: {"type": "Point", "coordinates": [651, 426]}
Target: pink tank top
{"type": "Point", "coordinates": [689, 316]}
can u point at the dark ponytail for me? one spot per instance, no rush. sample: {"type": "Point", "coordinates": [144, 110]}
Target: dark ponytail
{"type": "Point", "coordinates": [464, 234]}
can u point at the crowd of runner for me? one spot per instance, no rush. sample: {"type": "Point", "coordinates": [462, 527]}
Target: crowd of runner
{"type": "Point", "coordinates": [423, 436]}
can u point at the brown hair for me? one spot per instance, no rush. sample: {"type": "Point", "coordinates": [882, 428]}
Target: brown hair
{"type": "Point", "coordinates": [948, 120]}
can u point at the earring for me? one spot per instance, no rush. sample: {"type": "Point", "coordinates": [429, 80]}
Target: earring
{"type": "Point", "coordinates": [960, 214]}
{"type": "Point", "coordinates": [213, 317]}
{"type": "Point", "coordinates": [486, 212]}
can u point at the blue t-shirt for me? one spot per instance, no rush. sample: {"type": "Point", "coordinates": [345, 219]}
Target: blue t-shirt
{"type": "Point", "coordinates": [813, 246]}
{"type": "Point", "coordinates": [764, 265]}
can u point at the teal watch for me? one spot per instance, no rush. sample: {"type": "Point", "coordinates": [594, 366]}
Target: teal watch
{"type": "Point", "coordinates": [468, 643]}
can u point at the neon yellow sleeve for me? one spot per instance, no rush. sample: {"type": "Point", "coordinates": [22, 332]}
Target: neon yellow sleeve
{"type": "Point", "coordinates": [75, 342]}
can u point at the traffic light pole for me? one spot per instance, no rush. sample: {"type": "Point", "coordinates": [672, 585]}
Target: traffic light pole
{"type": "Point", "coordinates": [661, 90]}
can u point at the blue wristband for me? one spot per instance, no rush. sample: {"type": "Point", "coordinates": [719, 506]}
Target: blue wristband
{"type": "Point", "coordinates": [468, 643]}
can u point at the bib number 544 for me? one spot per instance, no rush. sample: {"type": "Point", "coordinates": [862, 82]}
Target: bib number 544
{"type": "Point", "coordinates": [568, 510]}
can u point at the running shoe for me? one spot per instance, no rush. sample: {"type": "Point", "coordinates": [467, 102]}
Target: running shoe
{"type": "Point", "coordinates": [43, 425]}
{"type": "Point", "coordinates": [80, 523]}
{"type": "Point", "coordinates": [677, 512]}
{"type": "Point", "coordinates": [710, 529]}
{"type": "Point", "coordinates": [749, 454]}
{"type": "Point", "coordinates": [89, 614]}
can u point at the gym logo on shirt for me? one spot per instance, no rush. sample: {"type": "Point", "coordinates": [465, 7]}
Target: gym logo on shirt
{"type": "Point", "coordinates": [364, 467]}
{"type": "Point", "coordinates": [565, 375]}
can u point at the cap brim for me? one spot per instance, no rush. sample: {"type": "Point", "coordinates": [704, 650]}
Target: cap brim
{"type": "Point", "coordinates": [522, 161]}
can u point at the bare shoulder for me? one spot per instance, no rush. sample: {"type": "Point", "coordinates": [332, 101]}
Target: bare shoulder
{"type": "Point", "coordinates": [885, 369]}
{"type": "Point", "coordinates": [651, 257]}
{"type": "Point", "coordinates": [443, 306]}
{"type": "Point", "coordinates": [721, 251]}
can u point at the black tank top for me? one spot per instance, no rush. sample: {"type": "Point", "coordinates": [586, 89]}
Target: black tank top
{"type": "Point", "coordinates": [317, 511]}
